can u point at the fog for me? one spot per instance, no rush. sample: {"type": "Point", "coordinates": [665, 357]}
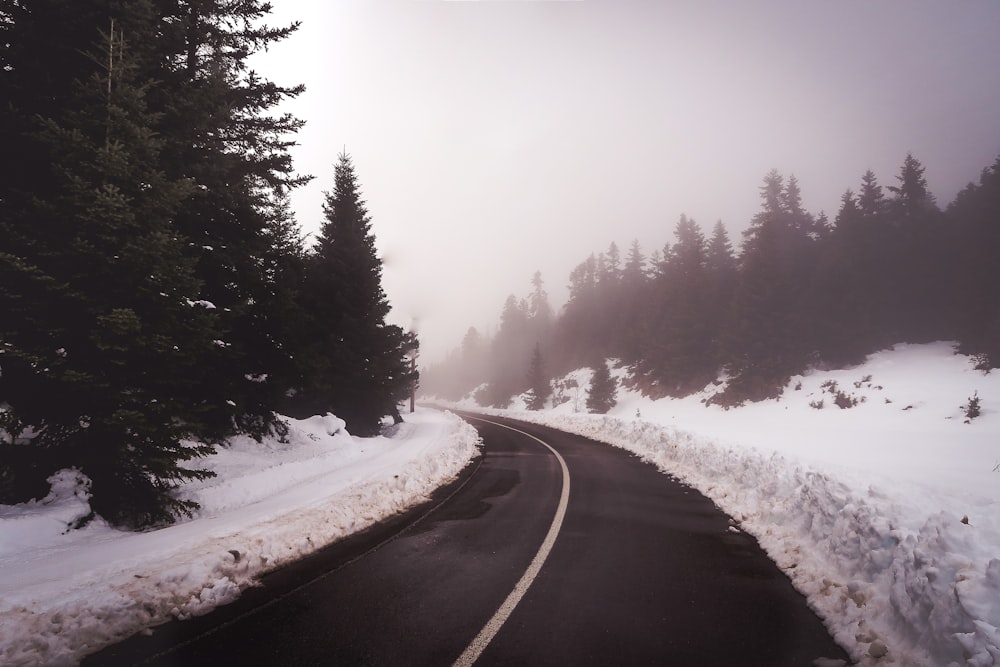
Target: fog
{"type": "Point", "coordinates": [494, 139]}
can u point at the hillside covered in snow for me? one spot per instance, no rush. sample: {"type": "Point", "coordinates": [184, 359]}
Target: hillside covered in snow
{"type": "Point", "coordinates": [869, 486]}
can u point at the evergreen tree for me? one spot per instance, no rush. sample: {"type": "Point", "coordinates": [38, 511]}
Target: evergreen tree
{"type": "Point", "coordinates": [912, 198]}
{"type": "Point", "coordinates": [539, 310]}
{"type": "Point", "coordinates": [216, 130]}
{"type": "Point", "coordinates": [635, 266]}
{"type": "Point", "coordinates": [916, 258]}
{"type": "Point", "coordinates": [605, 331]}
{"type": "Point", "coordinates": [576, 330]}
{"type": "Point", "coordinates": [102, 331]}
{"type": "Point", "coordinates": [679, 356]}
{"type": "Point", "coordinates": [871, 201]}
{"type": "Point", "coordinates": [472, 362]}
{"type": "Point", "coordinates": [721, 274]}
{"type": "Point", "coordinates": [354, 364]}
{"type": "Point", "coordinates": [843, 292]}
{"type": "Point", "coordinates": [603, 392]}
{"type": "Point", "coordinates": [539, 386]}
{"type": "Point", "coordinates": [510, 347]}
{"type": "Point", "coordinates": [769, 337]}
{"type": "Point", "coordinates": [719, 257]}
{"type": "Point", "coordinates": [975, 274]}
{"type": "Point", "coordinates": [221, 133]}
{"type": "Point", "coordinates": [632, 306]}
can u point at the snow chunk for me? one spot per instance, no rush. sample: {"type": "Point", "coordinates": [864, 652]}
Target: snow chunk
{"type": "Point", "coordinates": [201, 302]}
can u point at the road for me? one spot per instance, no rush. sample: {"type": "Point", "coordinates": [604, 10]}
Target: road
{"type": "Point", "coordinates": [551, 550]}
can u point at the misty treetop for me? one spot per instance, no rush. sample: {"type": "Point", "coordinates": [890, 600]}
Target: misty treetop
{"type": "Point", "coordinates": [891, 267]}
{"type": "Point", "coordinates": [155, 293]}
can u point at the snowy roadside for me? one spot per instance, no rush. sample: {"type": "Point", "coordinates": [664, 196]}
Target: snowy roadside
{"type": "Point", "coordinates": [885, 515]}
{"type": "Point", "coordinates": [66, 594]}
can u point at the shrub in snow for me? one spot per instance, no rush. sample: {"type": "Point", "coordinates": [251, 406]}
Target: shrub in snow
{"type": "Point", "coordinates": [841, 399]}
{"type": "Point", "coordinates": [603, 392]}
{"type": "Point", "coordinates": [972, 408]}
{"type": "Point", "coordinates": [982, 362]}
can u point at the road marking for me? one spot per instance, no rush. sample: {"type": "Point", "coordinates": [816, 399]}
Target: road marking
{"type": "Point", "coordinates": [492, 627]}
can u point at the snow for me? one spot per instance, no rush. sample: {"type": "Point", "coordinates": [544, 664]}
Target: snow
{"type": "Point", "coordinates": [201, 302]}
{"type": "Point", "coordinates": [886, 515]}
{"type": "Point", "coordinates": [66, 593]}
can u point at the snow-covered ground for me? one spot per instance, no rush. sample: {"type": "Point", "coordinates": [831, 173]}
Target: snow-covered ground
{"type": "Point", "coordinates": [64, 594]}
{"type": "Point", "coordinates": [886, 515]}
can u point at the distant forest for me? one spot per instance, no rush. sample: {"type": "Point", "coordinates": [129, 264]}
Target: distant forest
{"type": "Point", "coordinates": [156, 295]}
{"type": "Point", "coordinates": [801, 291]}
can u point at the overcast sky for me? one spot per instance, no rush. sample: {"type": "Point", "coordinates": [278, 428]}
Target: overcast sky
{"type": "Point", "coordinates": [494, 139]}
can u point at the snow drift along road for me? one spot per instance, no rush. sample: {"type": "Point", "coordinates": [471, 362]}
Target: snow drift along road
{"type": "Point", "coordinates": [65, 594]}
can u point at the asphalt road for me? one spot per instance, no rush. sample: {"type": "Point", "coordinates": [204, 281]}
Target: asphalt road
{"type": "Point", "coordinates": [642, 571]}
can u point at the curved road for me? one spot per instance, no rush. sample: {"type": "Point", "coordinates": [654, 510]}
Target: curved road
{"type": "Point", "coordinates": [632, 568]}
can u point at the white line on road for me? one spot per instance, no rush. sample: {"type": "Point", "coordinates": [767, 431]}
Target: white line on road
{"type": "Point", "coordinates": [492, 627]}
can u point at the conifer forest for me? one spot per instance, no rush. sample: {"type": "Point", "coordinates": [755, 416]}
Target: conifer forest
{"type": "Point", "coordinates": [156, 293]}
{"type": "Point", "coordinates": [798, 290]}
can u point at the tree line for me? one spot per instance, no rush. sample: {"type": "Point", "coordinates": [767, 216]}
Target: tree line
{"type": "Point", "coordinates": [156, 293]}
{"type": "Point", "coordinates": [800, 291]}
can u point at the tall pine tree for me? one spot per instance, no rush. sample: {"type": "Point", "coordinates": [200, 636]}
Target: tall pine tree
{"type": "Point", "coordinates": [355, 363]}
{"type": "Point", "coordinates": [539, 386]}
{"type": "Point", "coordinates": [221, 132]}
{"type": "Point", "coordinates": [680, 356]}
{"type": "Point", "coordinates": [769, 336]}
{"type": "Point", "coordinates": [102, 331]}
{"type": "Point", "coordinates": [975, 273]}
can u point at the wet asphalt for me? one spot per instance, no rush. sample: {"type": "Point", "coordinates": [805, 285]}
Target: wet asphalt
{"type": "Point", "coordinates": [644, 571]}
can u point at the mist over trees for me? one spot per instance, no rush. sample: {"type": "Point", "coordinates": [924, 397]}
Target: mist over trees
{"type": "Point", "coordinates": [512, 361]}
{"type": "Point", "coordinates": [156, 296]}
{"type": "Point", "coordinates": [802, 290]}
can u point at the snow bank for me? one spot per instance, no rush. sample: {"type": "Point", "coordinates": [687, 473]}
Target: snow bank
{"type": "Point", "coordinates": [64, 594]}
{"type": "Point", "coordinates": [885, 515]}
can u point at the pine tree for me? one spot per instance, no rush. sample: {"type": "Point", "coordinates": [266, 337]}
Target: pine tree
{"type": "Point", "coordinates": [579, 329]}
{"type": "Point", "coordinates": [632, 306]}
{"type": "Point", "coordinates": [769, 337]}
{"type": "Point", "coordinates": [102, 333]}
{"type": "Point", "coordinates": [270, 370]}
{"type": "Point", "coordinates": [635, 265]}
{"type": "Point", "coordinates": [603, 392]}
{"type": "Point", "coordinates": [915, 255]}
{"type": "Point", "coordinates": [540, 315]}
{"type": "Point", "coordinates": [221, 132]}
{"type": "Point", "coordinates": [355, 363]}
{"type": "Point", "coordinates": [871, 201]}
{"type": "Point", "coordinates": [678, 354]}
{"type": "Point", "coordinates": [539, 386]}
{"type": "Point", "coordinates": [842, 289]}
{"type": "Point", "coordinates": [976, 272]}
{"type": "Point", "coordinates": [720, 284]}
{"type": "Point", "coordinates": [911, 195]}
{"type": "Point", "coordinates": [719, 256]}
{"type": "Point", "coordinates": [509, 348]}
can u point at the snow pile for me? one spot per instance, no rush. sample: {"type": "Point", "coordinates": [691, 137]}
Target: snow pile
{"type": "Point", "coordinates": [885, 514]}
{"type": "Point", "coordinates": [64, 594]}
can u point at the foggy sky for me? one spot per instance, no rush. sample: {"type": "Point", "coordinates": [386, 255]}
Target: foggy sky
{"type": "Point", "coordinates": [494, 139]}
